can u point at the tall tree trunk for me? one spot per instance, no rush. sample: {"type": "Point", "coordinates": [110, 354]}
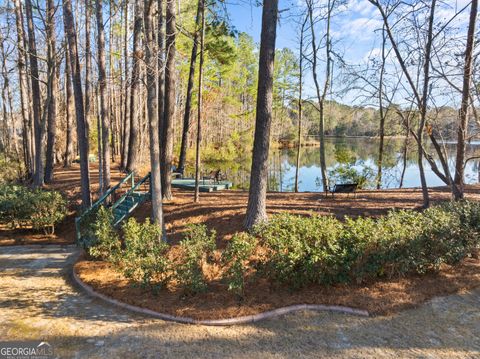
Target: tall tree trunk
{"type": "Point", "coordinates": [23, 84]}
{"type": "Point", "coordinates": [169, 112]}
{"type": "Point", "coordinates": [39, 126]}
{"type": "Point", "coordinates": [112, 100]}
{"type": "Point", "coordinates": [300, 104]}
{"type": "Point", "coordinates": [463, 113]}
{"type": "Point", "coordinates": [201, 10]}
{"type": "Point", "coordinates": [257, 196]}
{"type": "Point", "coordinates": [88, 68]}
{"type": "Point", "coordinates": [103, 110]}
{"type": "Point", "coordinates": [78, 97]}
{"type": "Point", "coordinates": [126, 123]}
{"type": "Point", "coordinates": [6, 141]}
{"type": "Point", "coordinates": [151, 66]}
{"type": "Point", "coordinates": [382, 113]}
{"type": "Point", "coordinates": [133, 142]}
{"type": "Point", "coordinates": [68, 110]}
{"type": "Point", "coordinates": [52, 88]}
{"type": "Point", "coordinates": [405, 153]}
{"type": "Point", "coordinates": [161, 68]}
{"type": "Point", "coordinates": [99, 143]}
{"type": "Point", "coordinates": [424, 103]}
{"type": "Point", "coordinates": [421, 100]}
{"type": "Point", "coordinates": [321, 96]}
{"type": "Point", "coordinates": [188, 98]}
{"type": "Point", "coordinates": [13, 121]}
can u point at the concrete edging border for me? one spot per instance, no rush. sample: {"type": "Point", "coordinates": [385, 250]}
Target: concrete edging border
{"type": "Point", "coordinates": [220, 322]}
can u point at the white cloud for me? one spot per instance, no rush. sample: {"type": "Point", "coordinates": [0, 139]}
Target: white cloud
{"type": "Point", "coordinates": [361, 7]}
{"type": "Point", "coordinates": [362, 27]}
{"type": "Point", "coordinates": [373, 53]}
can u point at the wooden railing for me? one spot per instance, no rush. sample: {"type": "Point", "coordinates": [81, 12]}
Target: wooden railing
{"type": "Point", "coordinates": [107, 197]}
{"type": "Point", "coordinates": [144, 182]}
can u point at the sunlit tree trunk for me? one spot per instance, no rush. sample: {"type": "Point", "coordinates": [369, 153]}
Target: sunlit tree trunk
{"type": "Point", "coordinates": [405, 153]}
{"type": "Point", "coordinates": [133, 142]}
{"type": "Point", "coordinates": [300, 104]}
{"type": "Point", "coordinates": [68, 110]}
{"type": "Point", "coordinates": [112, 98]}
{"type": "Point", "coordinates": [188, 98]}
{"type": "Point", "coordinates": [39, 125]}
{"type": "Point", "coordinates": [6, 130]}
{"type": "Point", "coordinates": [421, 99]}
{"type": "Point", "coordinates": [78, 97]}
{"type": "Point", "coordinates": [169, 113]}
{"type": "Point", "coordinates": [52, 88]}
{"type": "Point", "coordinates": [463, 113]}
{"type": "Point", "coordinates": [126, 123]}
{"type": "Point", "coordinates": [23, 84]}
{"type": "Point", "coordinates": [88, 68]}
{"type": "Point", "coordinates": [201, 6]}
{"type": "Point", "coordinates": [152, 112]}
{"type": "Point", "coordinates": [321, 96]}
{"type": "Point", "coordinates": [257, 196]}
{"type": "Point", "coordinates": [102, 89]}
{"type": "Point", "coordinates": [161, 67]}
{"type": "Point", "coordinates": [382, 112]}
{"type": "Point", "coordinates": [423, 108]}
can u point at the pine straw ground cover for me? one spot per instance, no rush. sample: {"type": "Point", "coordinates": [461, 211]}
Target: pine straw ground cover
{"type": "Point", "coordinates": [378, 298]}
{"type": "Point", "coordinates": [365, 264]}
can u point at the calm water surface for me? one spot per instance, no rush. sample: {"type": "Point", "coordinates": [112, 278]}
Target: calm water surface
{"type": "Point", "coordinates": [359, 153]}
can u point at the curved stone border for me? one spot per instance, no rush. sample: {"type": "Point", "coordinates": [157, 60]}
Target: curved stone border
{"type": "Point", "coordinates": [220, 322]}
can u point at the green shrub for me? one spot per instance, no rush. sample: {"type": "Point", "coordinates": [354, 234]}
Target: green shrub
{"type": "Point", "coordinates": [235, 257]}
{"type": "Point", "coordinates": [86, 227]}
{"type": "Point", "coordinates": [305, 250]}
{"type": "Point", "coordinates": [468, 213]}
{"type": "Point", "coordinates": [456, 229]}
{"type": "Point", "coordinates": [197, 246]}
{"type": "Point", "coordinates": [376, 248]}
{"type": "Point", "coordinates": [21, 206]}
{"type": "Point", "coordinates": [107, 243]}
{"type": "Point", "coordinates": [49, 208]}
{"type": "Point", "coordinates": [15, 205]}
{"type": "Point", "coordinates": [301, 249]}
{"type": "Point", "coordinates": [12, 169]}
{"type": "Point", "coordinates": [144, 259]}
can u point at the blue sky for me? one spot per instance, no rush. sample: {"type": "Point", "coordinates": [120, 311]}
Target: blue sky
{"type": "Point", "coordinates": [355, 24]}
{"type": "Point", "coordinates": [353, 27]}
{"type": "Point", "coordinates": [246, 16]}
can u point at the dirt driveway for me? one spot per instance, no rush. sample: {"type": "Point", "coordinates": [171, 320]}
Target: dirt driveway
{"type": "Point", "coordinates": [38, 301]}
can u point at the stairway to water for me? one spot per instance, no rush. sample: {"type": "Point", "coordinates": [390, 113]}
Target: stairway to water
{"type": "Point", "coordinates": [122, 207]}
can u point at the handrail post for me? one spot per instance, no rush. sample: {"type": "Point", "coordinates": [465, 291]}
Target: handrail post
{"type": "Point", "coordinates": [133, 179]}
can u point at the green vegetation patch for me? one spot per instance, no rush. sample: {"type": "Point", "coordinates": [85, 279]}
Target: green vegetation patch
{"type": "Point", "coordinates": [296, 251]}
{"type": "Point", "coordinates": [324, 250]}
{"type": "Point", "coordinates": [21, 207]}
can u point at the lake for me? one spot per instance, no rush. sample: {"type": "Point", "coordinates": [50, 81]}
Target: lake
{"type": "Point", "coordinates": [359, 154]}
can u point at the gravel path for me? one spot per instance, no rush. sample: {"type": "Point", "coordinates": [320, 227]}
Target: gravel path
{"type": "Point", "coordinates": [38, 301]}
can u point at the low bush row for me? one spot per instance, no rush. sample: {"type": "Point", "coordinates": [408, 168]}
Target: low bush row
{"type": "Point", "coordinates": [142, 256]}
{"type": "Point", "coordinates": [21, 206]}
{"type": "Point", "coordinates": [304, 250]}
{"type": "Point", "coordinates": [296, 250]}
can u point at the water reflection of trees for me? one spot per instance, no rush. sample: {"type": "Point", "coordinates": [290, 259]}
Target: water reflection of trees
{"type": "Point", "coordinates": [353, 151]}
